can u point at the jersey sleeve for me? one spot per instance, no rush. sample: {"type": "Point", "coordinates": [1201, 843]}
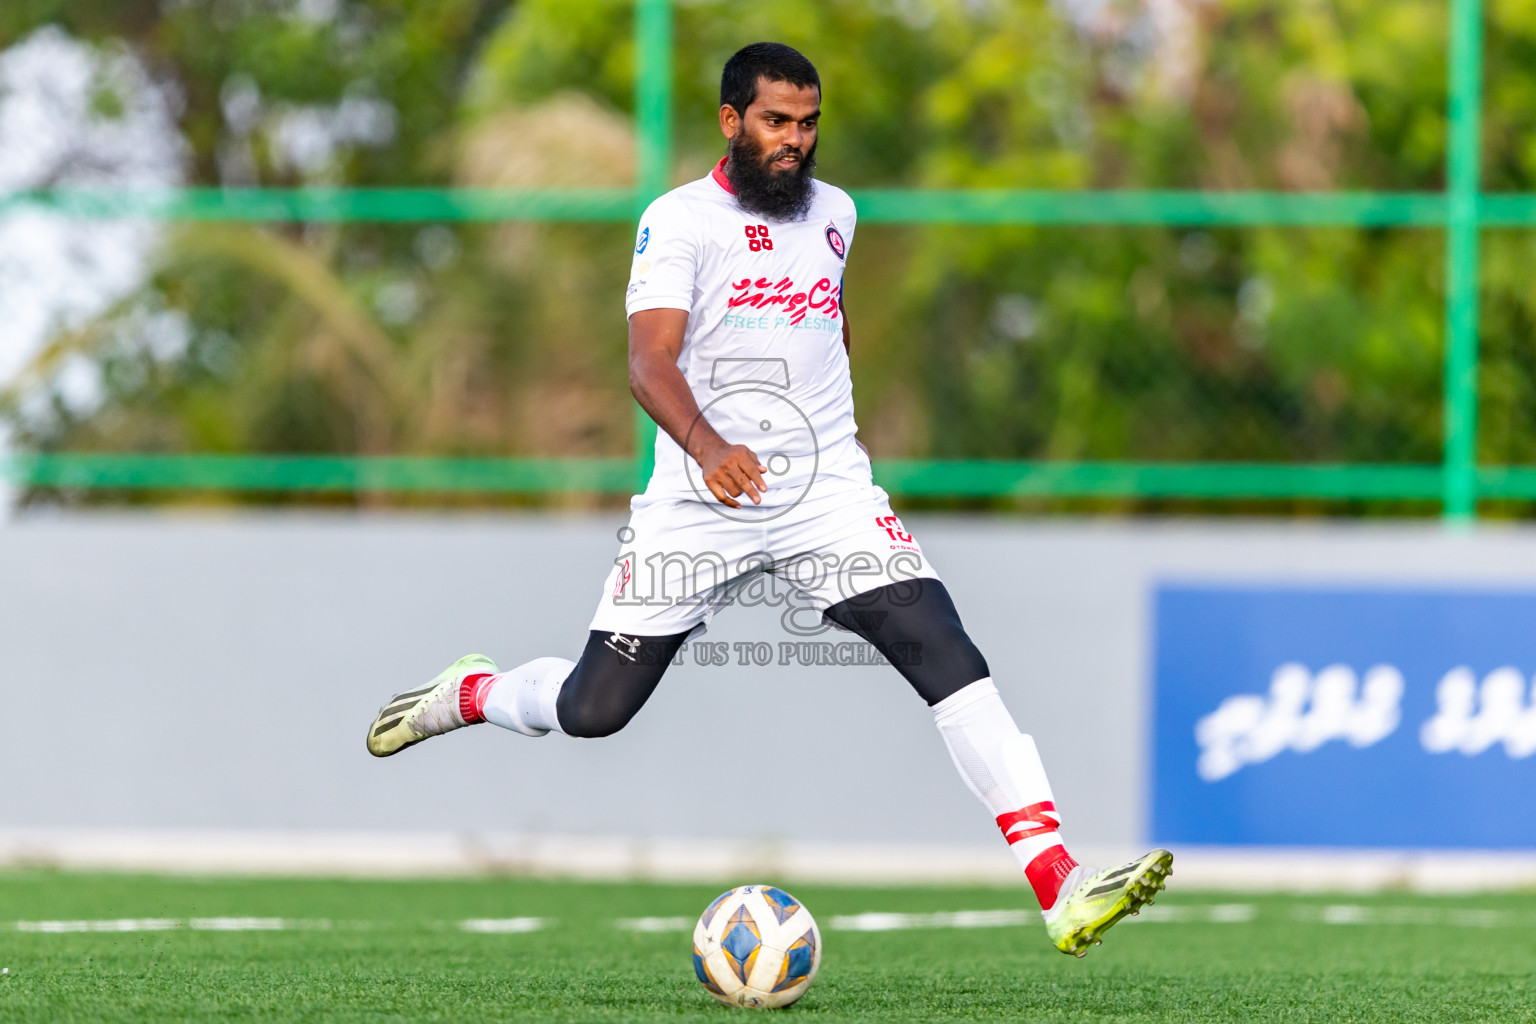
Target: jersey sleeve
{"type": "Point", "coordinates": [666, 261]}
{"type": "Point", "coordinates": [851, 217]}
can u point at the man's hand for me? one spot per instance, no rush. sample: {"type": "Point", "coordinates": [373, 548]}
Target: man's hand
{"type": "Point", "coordinates": [731, 470]}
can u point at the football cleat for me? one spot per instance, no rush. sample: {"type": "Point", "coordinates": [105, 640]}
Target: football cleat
{"type": "Point", "coordinates": [410, 717]}
{"type": "Point", "coordinates": [1099, 898]}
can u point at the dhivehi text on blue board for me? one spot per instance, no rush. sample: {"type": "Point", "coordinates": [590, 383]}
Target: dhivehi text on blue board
{"type": "Point", "coordinates": [1344, 717]}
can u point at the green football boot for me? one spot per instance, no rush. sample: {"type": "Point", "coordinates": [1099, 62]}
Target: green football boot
{"type": "Point", "coordinates": [431, 710]}
{"type": "Point", "coordinates": [1099, 898]}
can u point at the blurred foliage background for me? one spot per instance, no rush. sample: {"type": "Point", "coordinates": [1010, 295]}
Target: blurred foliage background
{"type": "Point", "coordinates": [1272, 344]}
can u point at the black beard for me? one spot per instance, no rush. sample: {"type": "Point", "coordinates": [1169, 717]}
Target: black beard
{"type": "Point", "coordinates": [760, 189]}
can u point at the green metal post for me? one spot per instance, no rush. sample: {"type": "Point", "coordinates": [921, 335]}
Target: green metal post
{"type": "Point", "coordinates": [653, 127]}
{"type": "Point", "coordinates": [1461, 260]}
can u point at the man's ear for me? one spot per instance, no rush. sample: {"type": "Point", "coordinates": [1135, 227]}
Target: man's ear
{"type": "Point", "coordinates": [730, 121]}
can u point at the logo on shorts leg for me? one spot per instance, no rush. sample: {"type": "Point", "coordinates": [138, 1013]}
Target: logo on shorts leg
{"type": "Point", "coordinates": [892, 525]}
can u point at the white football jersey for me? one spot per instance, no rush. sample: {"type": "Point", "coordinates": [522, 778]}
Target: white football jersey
{"type": "Point", "coordinates": [763, 350]}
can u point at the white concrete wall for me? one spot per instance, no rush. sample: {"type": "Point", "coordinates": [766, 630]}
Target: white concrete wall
{"type": "Point", "coordinates": [204, 672]}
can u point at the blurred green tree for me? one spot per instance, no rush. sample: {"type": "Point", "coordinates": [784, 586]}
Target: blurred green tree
{"type": "Point", "coordinates": [1145, 343]}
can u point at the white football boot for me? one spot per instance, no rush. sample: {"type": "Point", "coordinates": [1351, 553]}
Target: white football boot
{"type": "Point", "coordinates": [408, 718]}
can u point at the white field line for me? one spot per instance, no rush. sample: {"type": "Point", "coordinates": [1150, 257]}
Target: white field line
{"type": "Point", "coordinates": [135, 924]}
{"type": "Point", "coordinates": [502, 925]}
{"type": "Point", "coordinates": [171, 924]}
{"type": "Point", "coordinates": [876, 922]}
{"type": "Point", "coordinates": [1220, 913]}
{"type": "Point", "coordinates": [1351, 913]}
{"type": "Point", "coordinates": [655, 924]}
{"type": "Point", "coordinates": [247, 924]}
{"type": "Point", "coordinates": [254, 924]}
{"type": "Point", "coordinates": [1215, 913]}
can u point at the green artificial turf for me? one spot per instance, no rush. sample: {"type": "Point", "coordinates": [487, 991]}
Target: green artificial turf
{"type": "Point", "coordinates": [394, 951]}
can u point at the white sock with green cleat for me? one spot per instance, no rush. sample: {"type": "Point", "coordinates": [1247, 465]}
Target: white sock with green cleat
{"type": "Point", "coordinates": [1003, 768]}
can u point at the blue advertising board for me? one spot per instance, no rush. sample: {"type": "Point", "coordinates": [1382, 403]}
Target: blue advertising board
{"type": "Point", "coordinates": [1332, 717]}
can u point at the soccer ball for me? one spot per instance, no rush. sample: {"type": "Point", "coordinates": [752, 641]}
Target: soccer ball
{"type": "Point", "coordinates": [756, 946]}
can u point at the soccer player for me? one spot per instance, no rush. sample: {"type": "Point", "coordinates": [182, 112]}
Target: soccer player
{"type": "Point", "coordinates": [738, 349]}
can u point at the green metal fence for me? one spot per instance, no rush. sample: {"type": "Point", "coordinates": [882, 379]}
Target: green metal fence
{"type": "Point", "coordinates": [1462, 211]}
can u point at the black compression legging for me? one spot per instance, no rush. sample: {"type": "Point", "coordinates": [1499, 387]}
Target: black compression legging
{"type": "Point", "coordinates": [612, 680]}
{"type": "Point", "coordinates": [913, 624]}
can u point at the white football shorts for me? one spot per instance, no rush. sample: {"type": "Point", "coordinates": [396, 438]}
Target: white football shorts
{"type": "Point", "coordinates": [681, 561]}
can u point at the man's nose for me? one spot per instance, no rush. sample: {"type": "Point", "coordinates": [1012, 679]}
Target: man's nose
{"type": "Point", "coordinates": [793, 135]}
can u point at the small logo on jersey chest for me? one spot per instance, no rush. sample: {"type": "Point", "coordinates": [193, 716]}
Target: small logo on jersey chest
{"type": "Point", "coordinates": [645, 240]}
{"type": "Point", "coordinates": [835, 240]}
{"type": "Point", "coordinates": [757, 238]}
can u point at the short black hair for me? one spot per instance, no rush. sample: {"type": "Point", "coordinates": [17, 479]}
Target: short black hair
{"type": "Point", "coordinates": [773, 61]}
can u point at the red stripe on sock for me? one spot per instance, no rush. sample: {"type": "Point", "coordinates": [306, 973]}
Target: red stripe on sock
{"type": "Point", "coordinates": [472, 693]}
{"type": "Point", "coordinates": [1035, 815]}
{"type": "Point", "coordinates": [1046, 873]}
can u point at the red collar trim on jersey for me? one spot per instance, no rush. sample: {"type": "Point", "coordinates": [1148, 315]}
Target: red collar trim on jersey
{"type": "Point", "coordinates": [720, 179]}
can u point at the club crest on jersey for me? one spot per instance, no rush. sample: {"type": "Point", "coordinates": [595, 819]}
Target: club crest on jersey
{"type": "Point", "coordinates": [835, 240]}
{"type": "Point", "coordinates": [645, 240]}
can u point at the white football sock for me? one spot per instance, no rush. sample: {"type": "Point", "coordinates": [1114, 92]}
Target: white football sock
{"type": "Point", "coordinates": [1003, 768]}
{"type": "Point", "coordinates": [523, 699]}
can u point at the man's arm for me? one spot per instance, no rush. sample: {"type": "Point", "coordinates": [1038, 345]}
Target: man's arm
{"type": "Point", "coordinates": [655, 339]}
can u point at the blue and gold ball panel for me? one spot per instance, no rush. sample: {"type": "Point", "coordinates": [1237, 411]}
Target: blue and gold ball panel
{"type": "Point", "coordinates": [797, 962]}
{"type": "Point", "coordinates": [784, 905]}
{"type": "Point", "coordinates": [709, 911]}
{"type": "Point", "coordinates": [702, 970]}
{"type": "Point", "coordinates": [742, 943]}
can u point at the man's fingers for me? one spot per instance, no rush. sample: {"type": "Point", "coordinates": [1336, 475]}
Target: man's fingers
{"type": "Point", "coordinates": [745, 466]}
{"type": "Point", "coordinates": [741, 477]}
{"type": "Point", "coordinates": [719, 492]}
{"type": "Point", "coordinates": [753, 467]}
{"type": "Point", "coordinates": [755, 472]}
{"type": "Point", "coordinates": [740, 473]}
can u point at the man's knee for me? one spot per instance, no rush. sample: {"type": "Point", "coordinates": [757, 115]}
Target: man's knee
{"type": "Point", "coordinates": [916, 626]}
{"type": "Point", "coordinates": [594, 727]}
{"type": "Point", "coordinates": [595, 711]}
{"type": "Point", "coordinates": [611, 683]}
